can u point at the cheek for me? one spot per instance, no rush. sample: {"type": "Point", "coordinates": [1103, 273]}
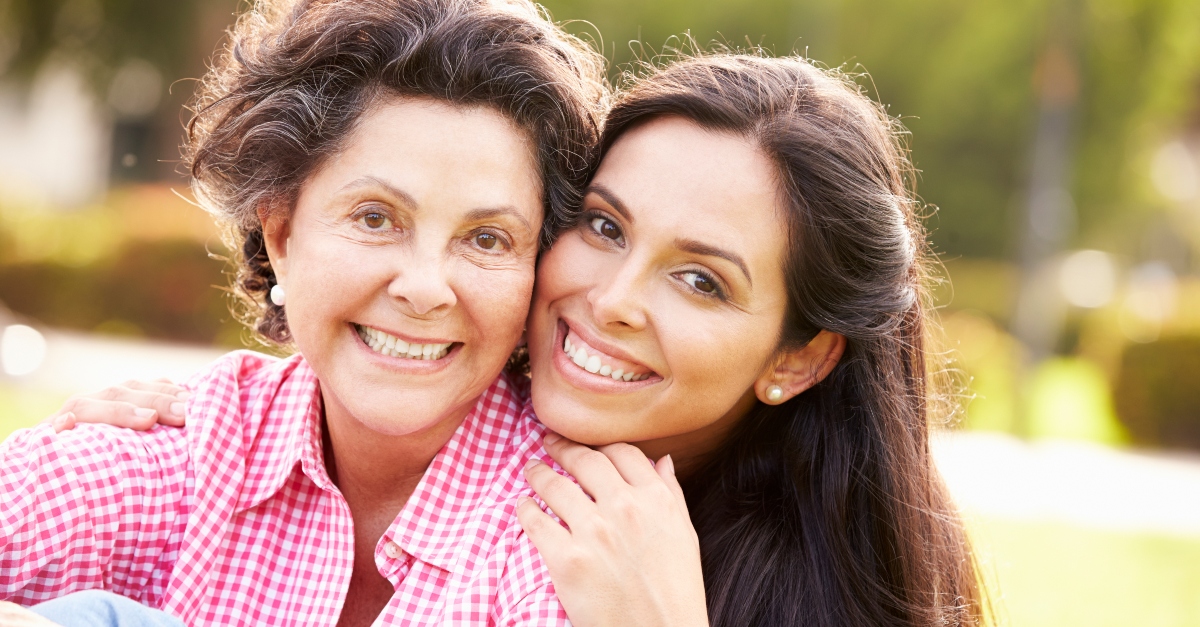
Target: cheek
{"type": "Point", "coordinates": [497, 301]}
{"type": "Point", "coordinates": [714, 359]}
{"type": "Point", "coordinates": [569, 267]}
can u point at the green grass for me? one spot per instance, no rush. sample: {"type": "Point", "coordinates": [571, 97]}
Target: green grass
{"type": "Point", "coordinates": [21, 407]}
{"type": "Point", "coordinates": [1048, 574]}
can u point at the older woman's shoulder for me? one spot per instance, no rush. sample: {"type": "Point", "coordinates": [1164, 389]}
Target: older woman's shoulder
{"type": "Point", "coordinates": [245, 391]}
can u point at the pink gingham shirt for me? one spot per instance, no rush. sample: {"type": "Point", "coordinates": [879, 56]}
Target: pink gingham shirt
{"type": "Point", "coordinates": [233, 519]}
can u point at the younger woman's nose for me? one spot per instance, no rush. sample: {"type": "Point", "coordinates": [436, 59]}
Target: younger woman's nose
{"type": "Point", "coordinates": [619, 298]}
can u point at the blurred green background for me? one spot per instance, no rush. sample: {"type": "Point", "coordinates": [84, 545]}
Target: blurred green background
{"type": "Point", "coordinates": [1059, 148]}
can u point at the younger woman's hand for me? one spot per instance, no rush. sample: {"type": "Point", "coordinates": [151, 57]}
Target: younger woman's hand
{"type": "Point", "coordinates": [629, 558]}
{"type": "Point", "coordinates": [135, 405]}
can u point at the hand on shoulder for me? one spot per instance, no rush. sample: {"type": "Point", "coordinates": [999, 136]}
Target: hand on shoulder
{"type": "Point", "coordinates": [631, 557]}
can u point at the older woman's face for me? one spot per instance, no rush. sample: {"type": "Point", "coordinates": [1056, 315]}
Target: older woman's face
{"type": "Point", "coordinates": [408, 262]}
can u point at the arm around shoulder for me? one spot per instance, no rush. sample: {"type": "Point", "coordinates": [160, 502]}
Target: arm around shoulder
{"type": "Point", "coordinates": [88, 508]}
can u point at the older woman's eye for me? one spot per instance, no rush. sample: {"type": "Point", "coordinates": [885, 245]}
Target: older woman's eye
{"type": "Point", "coordinates": [486, 241]}
{"type": "Point", "coordinates": [702, 283]}
{"type": "Point", "coordinates": [606, 228]}
{"type": "Point", "coordinates": [375, 220]}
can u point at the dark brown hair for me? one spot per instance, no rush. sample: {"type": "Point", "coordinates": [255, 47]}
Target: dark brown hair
{"type": "Point", "coordinates": [826, 509]}
{"type": "Point", "coordinates": [298, 74]}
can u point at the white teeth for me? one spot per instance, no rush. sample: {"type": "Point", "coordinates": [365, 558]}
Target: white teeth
{"type": "Point", "coordinates": [591, 363]}
{"type": "Point", "coordinates": [393, 346]}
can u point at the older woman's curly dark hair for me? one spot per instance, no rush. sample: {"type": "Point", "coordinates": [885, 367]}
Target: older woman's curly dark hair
{"type": "Point", "coordinates": [297, 75]}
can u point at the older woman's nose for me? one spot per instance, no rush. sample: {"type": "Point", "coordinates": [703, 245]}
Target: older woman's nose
{"type": "Point", "coordinates": [423, 289]}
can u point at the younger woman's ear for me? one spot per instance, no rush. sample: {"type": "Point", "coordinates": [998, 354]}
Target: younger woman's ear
{"type": "Point", "coordinates": [276, 231]}
{"type": "Point", "coordinates": [799, 369]}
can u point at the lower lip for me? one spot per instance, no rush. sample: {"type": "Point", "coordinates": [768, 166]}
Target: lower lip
{"type": "Point", "coordinates": [584, 380]}
{"type": "Point", "coordinates": [403, 365]}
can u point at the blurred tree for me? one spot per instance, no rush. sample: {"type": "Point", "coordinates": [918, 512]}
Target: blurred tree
{"type": "Point", "coordinates": [960, 75]}
{"type": "Point", "coordinates": [99, 34]}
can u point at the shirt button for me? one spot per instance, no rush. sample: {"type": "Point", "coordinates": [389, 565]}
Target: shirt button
{"type": "Point", "coordinates": [392, 550]}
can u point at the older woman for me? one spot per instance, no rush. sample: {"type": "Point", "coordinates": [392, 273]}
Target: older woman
{"type": "Point", "coordinates": [389, 170]}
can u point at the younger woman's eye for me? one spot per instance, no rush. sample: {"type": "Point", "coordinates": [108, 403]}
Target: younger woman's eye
{"type": "Point", "coordinates": [702, 283]}
{"type": "Point", "coordinates": [605, 227]}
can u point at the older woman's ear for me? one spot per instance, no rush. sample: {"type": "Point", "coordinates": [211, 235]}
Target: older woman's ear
{"type": "Point", "coordinates": [799, 369]}
{"type": "Point", "coordinates": [276, 233]}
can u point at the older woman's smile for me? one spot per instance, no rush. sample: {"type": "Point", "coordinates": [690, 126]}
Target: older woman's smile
{"type": "Point", "coordinates": [390, 345]}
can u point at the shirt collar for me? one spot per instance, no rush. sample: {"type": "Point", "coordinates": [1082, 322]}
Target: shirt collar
{"type": "Point", "coordinates": [283, 429]}
{"type": "Point", "coordinates": [437, 522]}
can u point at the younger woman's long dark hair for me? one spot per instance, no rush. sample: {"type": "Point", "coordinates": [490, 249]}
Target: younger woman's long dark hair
{"type": "Point", "coordinates": [826, 509]}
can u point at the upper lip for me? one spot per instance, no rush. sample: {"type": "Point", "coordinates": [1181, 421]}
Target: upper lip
{"type": "Point", "coordinates": [406, 338]}
{"type": "Point", "coordinates": [596, 342]}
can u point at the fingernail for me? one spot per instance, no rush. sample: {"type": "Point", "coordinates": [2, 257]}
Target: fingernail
{"type": "Point", "coordinates": [551, 437]}
{"type": "Point", "coordinates": [60, 422]}
{"type": "Point", "coordinates": [669, 463]}
{"type": "Point", "coordinates": [531, 463]}
{"type": "Point", "coordinates": [142, 412]}
{"type": "Point", "coordinates": [184, 395]}
{"type": "Point", "coordinates": [521, 500]}
{"type": "Point", "coordinates": [177, 409]}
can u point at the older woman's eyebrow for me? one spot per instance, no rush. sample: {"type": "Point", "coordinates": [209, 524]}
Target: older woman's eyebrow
{"type": "Point", "coordinates": [700, 248]}
{"type": "Point", "coordinates": [610, 198]}
{"type": "Point", "coordinates": [374, 181]}
{"type": "Point", "coordinates": [493, 212]}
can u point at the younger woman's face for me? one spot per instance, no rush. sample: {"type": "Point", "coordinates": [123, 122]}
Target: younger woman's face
{"type": "Point", "coordinates": [654, 317]}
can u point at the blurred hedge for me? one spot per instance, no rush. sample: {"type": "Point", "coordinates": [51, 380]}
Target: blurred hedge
{"type": "Point", "coordinates": [159, 289]}
{"type": "Point", "coordinates": [1158, 392]}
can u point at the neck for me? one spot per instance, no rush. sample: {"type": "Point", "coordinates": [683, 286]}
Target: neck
{"type": "Point", "coordinates": [690, 450]}
{"type": "Point", "coordinates": [379, 470]}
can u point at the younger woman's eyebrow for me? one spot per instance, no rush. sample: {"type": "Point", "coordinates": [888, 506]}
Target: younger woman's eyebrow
{"type": "Point", "coordinates": [700, 248]}
{"type": "Point", "coordinates": [610, 198]}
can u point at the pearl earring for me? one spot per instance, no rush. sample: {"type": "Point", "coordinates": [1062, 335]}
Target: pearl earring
{"type": "Point", "coordinates": [277, 295]}
{"type": "Point", "coordinates": [774, 393]}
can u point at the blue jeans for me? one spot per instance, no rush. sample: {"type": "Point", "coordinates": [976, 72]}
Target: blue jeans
{"type": "Point", "coordinates": [97, 608]}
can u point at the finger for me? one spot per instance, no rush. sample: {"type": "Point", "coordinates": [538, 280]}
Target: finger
{"type": "Point", "coordinates": [631, 462]}
{"type": "Point", "coordinates": [560, 494]}
{"type": "Point", "coordinates": [63, 421]}
{"type": "Point", "coordinates": [594, 472]}
{"type": "Point", "coordinates": [666, 470]}
{"type": "Point", "coordinates": [116, 413]}
{"type": "Point", "coordinates": [546, 534]}
{"type": "Point", "coordinates": [168, 407]}
{"type": "Point", "coordinates": [159, 386]}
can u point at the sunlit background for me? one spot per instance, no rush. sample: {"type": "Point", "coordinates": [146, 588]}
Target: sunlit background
{"type": "Point", "coordinates": [1059, 149]}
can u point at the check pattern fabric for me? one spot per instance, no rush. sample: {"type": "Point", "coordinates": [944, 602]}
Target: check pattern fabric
{"type": "Point", "coordinates": [233, 519]}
